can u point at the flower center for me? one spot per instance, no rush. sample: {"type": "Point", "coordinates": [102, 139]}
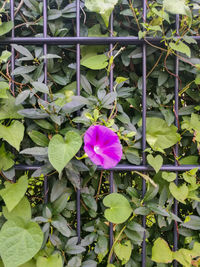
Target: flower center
{"type": "Point", "coordinates": [97, 149]}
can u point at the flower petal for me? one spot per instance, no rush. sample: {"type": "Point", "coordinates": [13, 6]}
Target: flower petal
{"type": "Point", "coordinates": [109, 151]}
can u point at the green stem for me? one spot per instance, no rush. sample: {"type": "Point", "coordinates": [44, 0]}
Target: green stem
{"type": "Point", "coordinates": [116, 240]}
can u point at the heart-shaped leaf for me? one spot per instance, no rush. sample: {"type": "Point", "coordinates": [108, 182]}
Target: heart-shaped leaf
{"type": "Point", "coordinates": [180, 193]}
{"type": "Point", "coordinates": [123, 251]}
{"type": "Point", "coordinates": [13, 193]}
{"type": "Point", "coordinates": [6, 158]}
{"type": "Point", "coordinates": [13, 134]}
{"type": "Point", "coordinates": [19, 241]}
{"type": "Point", "coordinates": [169, 176]}
{"type": "Point", "coordinates": [156, 162]}
{"type": "Point", "coordinates": [61, 151]}
{"type": "Point", "coordinates": [96, 62]}
{"type": "Point", "coordinates": [54, 260]}
{"type": "Point", "coordinates": [119, 208]}
{"type": "Point", "coordinates": [103, 7]}
{"type": "Point", "coordinates": [161, 251]}
{"type": "Point", "coordinates": [23, 210]}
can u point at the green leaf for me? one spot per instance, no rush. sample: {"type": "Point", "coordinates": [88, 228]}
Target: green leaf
{"type": "Point", "coordinates": [193, 222]}
{"type": "Point", "coordinates": [62, 226]}
{"type": "Point", "coordinates": [30, 263]}
{"type": "Point", "coordinates": [119, 208]}
{"type": "Point", "coordinates": [180, 193]}
{"type": "Point", "coordinates": [157, 209]}
{"type": "Point", "coordinates": [176, 7]}
{"type": "Point", "coordinates": [159, 135]}
{"type": "Point", "coordinates": [183, 256]}
{"type": "Point", "coordinates": [19, 241]}
{"type": "Point", "coordinates": [23, 70]}
{"type": "Point", "coordinates": [13, 134]}
{"type": "Point", "coordinates": [123, 251]}
{"type": "Point", "coordinates": [35, 151]}
{"type": "Point", "coordinates": [6, 158]}
{"type": "Point", "coordinates": [120, 80]}
{"type": "Point", "coordinates": [14, 192]}
{"type": "Point", "coordinates": [22, 50]}
{"type": "Point", "coordinates": [132, 155]}
{"type": "Point", "coordinates": [197, 79]}
{"type": "Point", "coordinates": [181, 47]}
{"type": "Point", "coordinates": [41, 87]}
{"type": "Point", "coordinates": [3, 89]}
{"type": "Point", "coordinates": [156, 162]}
{"type": "Point", "coordinates": [5, 27]}
{"type": "Point", "coordinates": [195, 252]}
{"type": "Point", "coordinates": [89, 201]}
{"type": "Point", "coordinates": [44, 124]}
{"type": "Point", "coordinates": [8, 109]}
{"type": "Point", "coordinates": [151, 193]}
{"type": "Point", "coordinates": [160, 245]}
{"type": "Point", "coordinates": [96, 62]}
{"type": "Point", "coordinates": [22, 96]}
{"type": "Point", "coordinates": [169, 176]}
{"type": "Point", "coordinates": [22, 209]}
{"type": "Point", "coordinates": [5, 56]}
{"type": "Point", "coordinates": [61, 151]}
{"type": "Point", "coordinates": [162, 78]}
{"type": "Point", "coordinates": [189, 160]}
{"type": "Point", "coordinates": [54, 260]}
{"type": "Point", "coordinates": [39, 138]}
{"type": "Point", "coordinates": [102, 7]}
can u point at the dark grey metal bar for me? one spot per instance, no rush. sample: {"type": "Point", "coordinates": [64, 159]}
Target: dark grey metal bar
{"type": "Point", "coordinates": [78, 78]}
{"type": "Point", "coordinates": [144, 111]}
{"type": "Point", "coordinates": [175, 247]}
{"type": "Point", "coordinates": [45, 81]}
{"type": "Point", "coordinates": [111, 173]}
{"type": "Point", "coordinates": [124, 167]}
{"type": "Point", "coordinates": [12, 16]}
{"type": "Point", "coordinates": [82, 40]}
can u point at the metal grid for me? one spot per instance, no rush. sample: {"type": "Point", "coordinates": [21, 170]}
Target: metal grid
{"type": "Point", "coordinates": [78, 40]}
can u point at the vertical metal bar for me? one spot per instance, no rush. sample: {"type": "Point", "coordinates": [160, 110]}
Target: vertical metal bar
{"type": "Point", "coordinates": [12, 15]}
{"type": "Point", "coordinates": [176, 147]}
{"type": "Point", "coordinates": [111, 173]}
{"type": "Point", "coordinates": [45, 81]}
{"type": "Point", "coordinates": [78, 75]}
{"type": "Point", "coordinates": [144, 130]}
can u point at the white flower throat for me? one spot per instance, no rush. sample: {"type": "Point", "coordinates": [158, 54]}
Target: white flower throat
{"type": "Point", "coordinates": [97, 149]}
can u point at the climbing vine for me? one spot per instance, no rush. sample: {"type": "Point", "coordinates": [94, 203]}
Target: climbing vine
{"type": "Point", "coordinates": [49, 132]}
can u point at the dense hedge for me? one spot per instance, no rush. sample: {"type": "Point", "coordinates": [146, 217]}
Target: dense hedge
{"type": "Point", "coordinates": [38, 131]}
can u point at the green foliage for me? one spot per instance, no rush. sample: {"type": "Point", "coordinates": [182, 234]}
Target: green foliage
{"type": "Point", "coordinates": [102, 7]}
{"type": "Point", "coordinates": [24, 240]}
{"type": "Point", "coordinates": [97, 62]}
{"type": "Point", "coordinates": [166, 255]}
{"type": "Point", "coordinates": [161, 136]}
{"type": "Point", "coordinates": [60, 151]}
{"type": "Point", "coordinates": [14, 192]}
{"type": "Point", "coordinates": [5, 27]}
{"type": "Point", "coordinates": [119, 208]}
{"type": "Point", "coordinates": [52, 261]}
{"type": "Point", "coordinates": [123, 251]}
{"type": "Point", "coordinates": [48, 131]}
{"type": "Point", "coordinates": [156, 162]}
{"type": "Point", "coordinates": [183, 256]}
{"type": "Point", "coordinates": [13, 134]}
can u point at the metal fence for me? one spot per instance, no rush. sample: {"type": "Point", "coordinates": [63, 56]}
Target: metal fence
{"type": "Point", "coordinates": [78, 40]}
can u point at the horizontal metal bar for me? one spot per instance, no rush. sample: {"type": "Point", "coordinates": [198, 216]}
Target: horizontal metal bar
{"type": "Point", "coordinates": [82, 40]}
{"type": "Point", "coordinates": [124, 167]}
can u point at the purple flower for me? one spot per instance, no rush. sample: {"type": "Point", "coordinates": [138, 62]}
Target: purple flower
{"type": "Point", "coordinates": [102, 146]}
